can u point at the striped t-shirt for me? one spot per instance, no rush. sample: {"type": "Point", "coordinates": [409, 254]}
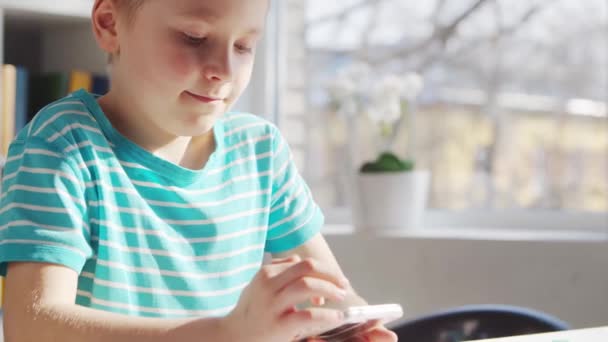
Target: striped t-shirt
{"type": "Point", "coordinates": [148, 237]}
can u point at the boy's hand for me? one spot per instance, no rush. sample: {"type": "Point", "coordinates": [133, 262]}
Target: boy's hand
{"type": "Point", "coordinates": [267, 310]}
{"type": "Point", "coordinates": [376, 332]}
{"type": "Point", "coordinates": [371, 332]}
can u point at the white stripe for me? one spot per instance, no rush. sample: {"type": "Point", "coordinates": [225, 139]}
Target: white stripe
{"type": "Point", "coordinates": [67, 102]}
{"type": "Point", "coordinates": [87, 143]}
{"type": "Point", "coordinates": [312, 214]}
{"type": "Point", "coordinates": [177, 274]}
{"type": "Point", "coordinates": [45, 171]}
{"type": "Point", "coordinates": [245, 127]}
{"type": "Point", "coordinates": [106, 169]}
{"type": "Point", "coordinates": [60, 210]}
{"type": "Point", "coordinates": [57, 115]}
{"type": "Point", "coordinates": [177, 239]}
{"type": "Point", "coordinates": [148, 213]}
{"type": "Point", "coordinates": [248, 142]}
{"type": "Point", "coordinates": [282, 168]}
{"type": "Point", "coordinates": [47, 210]}
{"type": "Point", "coordinates": [215, 220]}
{"type": "Point", "coordinates": [40, 190]}
{"type": "Point", "coordinates": [280, 149]}
{"type": "Point", "coordinates": [292, 216]}
{"type": "Point", "coordinates": [219, 219]}
{"type": "Point", "coordinates": [173, 255]}
{"type": "Point", "coordinates": [43, 242]}
{"type": "Point", "coordinates": [72, 127]}
{"type": "Point", "coordinates": [132, 165]}
{"type": "Point", "coordinates": [167, 292]}
{"type": "Point", "coordinates": [102, 184]}
{"type": "Point", "coordinates": [238, 116]}
{"type": "Point", "coordinates": [284, 188]}
{"type": "Point", "coordinates": [199, 205]}
{"type": "Point", "coordinates": [241, 161]}
{"type": "Point", "coordinates": [160, 311]}
{"type": "Point", "coordinates": [26, 223]}
{"type": "Point", "coordinates": [33, 151]}
{"type": "Point", "coordinates": [218, 187]}
{"type": "Point", "coordinates": [189, 205]}
{"type": "Point", "coordinates": [288, 200]}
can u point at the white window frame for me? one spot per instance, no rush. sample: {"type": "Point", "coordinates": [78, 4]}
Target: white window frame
{"type": "Point", "coordinates": [559, 225]}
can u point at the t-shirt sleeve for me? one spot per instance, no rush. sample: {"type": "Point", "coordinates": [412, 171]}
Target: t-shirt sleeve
{"type": "Point", "coordinates": [43, 208]}
{"type": "Point", "coordinates": [294, 216]}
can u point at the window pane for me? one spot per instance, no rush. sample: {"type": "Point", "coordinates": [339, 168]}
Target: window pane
{"type": "Point", "coordinates": [513, 109]}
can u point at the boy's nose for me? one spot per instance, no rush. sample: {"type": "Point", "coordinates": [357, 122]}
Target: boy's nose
{"type": "Point", "coordinates": [218, 69]}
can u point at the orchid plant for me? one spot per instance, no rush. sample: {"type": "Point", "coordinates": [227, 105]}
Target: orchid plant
{"type": "Point", "coordinates": [384, 99]}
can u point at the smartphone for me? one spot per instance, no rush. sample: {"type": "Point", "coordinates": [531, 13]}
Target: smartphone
{"type": "Point", "coordinates": [357, 319]}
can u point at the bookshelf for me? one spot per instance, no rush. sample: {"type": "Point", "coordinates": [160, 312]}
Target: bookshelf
{"type": "Point", "coordinates": [48, 36]}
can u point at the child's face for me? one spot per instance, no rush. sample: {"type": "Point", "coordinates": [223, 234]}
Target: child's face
{"type": "Point", "coordinates": [183, 63]}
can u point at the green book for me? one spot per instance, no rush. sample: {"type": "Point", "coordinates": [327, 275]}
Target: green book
{"type": "Point", "coordinates": [46, 88]}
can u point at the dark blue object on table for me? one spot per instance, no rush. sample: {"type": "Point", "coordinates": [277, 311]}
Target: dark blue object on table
{"type": "Point", "coordinates": [476, 322]}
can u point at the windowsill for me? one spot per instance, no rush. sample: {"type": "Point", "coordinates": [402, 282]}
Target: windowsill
{"type": "Point", "coordinates": [507, 225]}
{"type": "Point", "coordinates": [479, 234]}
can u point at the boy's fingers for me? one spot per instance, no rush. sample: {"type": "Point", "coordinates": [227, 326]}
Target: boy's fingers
{"type": "Point", "coordinates": [318, 301]}
{"type": "Point", "coordinates": [312, 321]}
{"type": "Point", "coordinates": [279, 266]}
{"type": "Point", "coordinates": [308, 268]}
{"type": "Point", "coordinates": [380, 335]}
{"type": "Point", "coordinates": [291, 259]}
{"type": "Point", "coordinates": [303, 289]}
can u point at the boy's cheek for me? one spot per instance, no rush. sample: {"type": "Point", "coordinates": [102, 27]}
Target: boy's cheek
{"type": "Point", "coordinates": [179, 65]}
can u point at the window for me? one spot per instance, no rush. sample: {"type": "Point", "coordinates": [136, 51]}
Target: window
{"type": "Point", "coordinates": [512, 116]}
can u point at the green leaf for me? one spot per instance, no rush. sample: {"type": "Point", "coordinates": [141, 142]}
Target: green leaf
{"type": "Point", "coordinates": [387, 162]}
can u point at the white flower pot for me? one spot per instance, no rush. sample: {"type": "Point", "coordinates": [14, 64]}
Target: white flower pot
{"type": "Point", "coordinates": [392, 202]}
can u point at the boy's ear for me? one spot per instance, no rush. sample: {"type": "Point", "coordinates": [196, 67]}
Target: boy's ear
{"type": "Point", "coordinates": [104, 20]}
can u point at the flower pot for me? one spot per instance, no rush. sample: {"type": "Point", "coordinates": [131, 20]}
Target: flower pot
{"type": "Point", "coordinates": [391, 202]}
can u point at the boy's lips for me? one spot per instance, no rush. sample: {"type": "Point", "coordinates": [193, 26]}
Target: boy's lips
{"type": "Point", "coordinates": [202, 98]}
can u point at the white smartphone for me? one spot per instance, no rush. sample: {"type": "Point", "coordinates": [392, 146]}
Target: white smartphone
{"type": "Point", "coordinates": [357, 318]}
{"type": "Point", "coordinates": [385, 313]}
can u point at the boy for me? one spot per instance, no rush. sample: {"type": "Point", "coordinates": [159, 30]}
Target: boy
{"type": "Point", "coordinates": [143, 215]}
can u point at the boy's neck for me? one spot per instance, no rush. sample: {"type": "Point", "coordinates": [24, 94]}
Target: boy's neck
{"type": "Point", "coordinates": [188, 152]}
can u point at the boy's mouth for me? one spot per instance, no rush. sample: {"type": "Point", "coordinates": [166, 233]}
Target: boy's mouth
{"type": "Point", "coordinates": [204, 99]}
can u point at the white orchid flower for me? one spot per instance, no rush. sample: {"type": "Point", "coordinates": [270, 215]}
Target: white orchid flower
{"type": "Point", "coordinates": [412, 85]}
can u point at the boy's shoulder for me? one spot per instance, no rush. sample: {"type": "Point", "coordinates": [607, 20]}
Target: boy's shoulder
{"type": "Point", "coordinates": [57, 119]}
{"type": "Point", "coordinates": [242, 125]}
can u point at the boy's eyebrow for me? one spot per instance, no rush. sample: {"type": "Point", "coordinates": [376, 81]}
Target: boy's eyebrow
{"type": "Point", "coordinates": [210, 16]}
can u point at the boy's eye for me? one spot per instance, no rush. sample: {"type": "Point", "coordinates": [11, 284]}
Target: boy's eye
{"type": "Point", "coordinates": [243, 48]}
{"type": "Point", "coordinates": [193, 40]}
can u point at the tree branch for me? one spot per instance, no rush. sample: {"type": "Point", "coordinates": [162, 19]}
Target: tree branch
{"type": "Point", "coordinates": [440, 34]}
{"type": "Point", "coordinates": [340, 16]}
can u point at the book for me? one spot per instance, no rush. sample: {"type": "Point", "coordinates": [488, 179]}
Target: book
{"type": "Point", "coordinates": [46, 88]}
{"type": "Point", "coordinates": [9, 90]}
{"type": "Point", "coordinates": [22, 98]}
{"type": "Point", "coordinates": [1, 291]}
{"type": "Point", "coordinates": [80, 80]}
{"type": "Point", "coordinates": [101, 85]}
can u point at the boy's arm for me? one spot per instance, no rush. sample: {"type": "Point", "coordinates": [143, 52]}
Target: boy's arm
{"type": "Point", "coordinates": [317, 249]}
{"type": "Point", "coordinates": [39, 306]}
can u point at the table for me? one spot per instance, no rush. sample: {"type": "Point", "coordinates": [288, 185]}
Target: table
{"type": "Point", "coordinates": [599, 334]}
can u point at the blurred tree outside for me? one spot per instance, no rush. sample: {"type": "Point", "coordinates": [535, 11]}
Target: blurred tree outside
{"type": "Point", "coordinates": [513, 114]}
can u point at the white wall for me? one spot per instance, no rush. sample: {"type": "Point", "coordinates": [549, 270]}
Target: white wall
{"type": "Point", "coordinates": [566, 279]}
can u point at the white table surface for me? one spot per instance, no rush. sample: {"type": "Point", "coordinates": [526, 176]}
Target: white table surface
{"type": "Point", "coordinates": [582, 335]}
